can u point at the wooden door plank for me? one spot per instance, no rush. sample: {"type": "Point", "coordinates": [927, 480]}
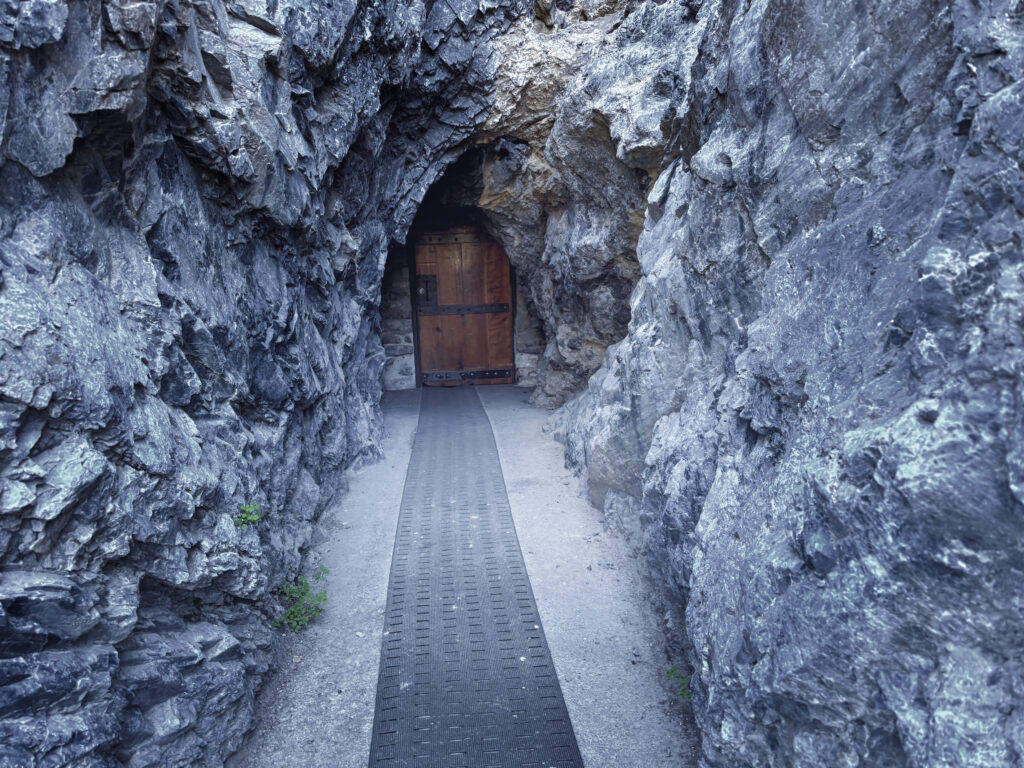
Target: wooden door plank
{"type": "Point", "coordinates": [474, 342]}
{"type": "Point", "coordinates": [498, 332]}
{"type": "Point", "coordinates": [475, 355]}
{"type": "Point", "coordinates": [439, 335]}
{"type": "Point", "coordinates": [449, 274]}
{"type": "Point", "coordinates": [474, 269]}
{"type": "Point", "coordinates": [430, 338]}
{"type": "Point", "coordinates": [450, 329]}
{"type": "Point", "coordinates": [498, 288]}
{"type": "Point", "coordinates": [497, 283]}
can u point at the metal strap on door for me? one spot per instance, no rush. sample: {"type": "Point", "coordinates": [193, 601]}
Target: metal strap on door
{"type": "Point", "coordinates": [426, 301]}
{"type": "Point", "coordinates": [463, 309]}
{"type": "Point", "coordinates": [496, 373]}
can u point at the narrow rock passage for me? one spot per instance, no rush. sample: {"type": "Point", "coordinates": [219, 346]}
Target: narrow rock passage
{"type": "Point", "coordinates": [466, 678]}
{"type": "Point", "coordinates": [606, 641]}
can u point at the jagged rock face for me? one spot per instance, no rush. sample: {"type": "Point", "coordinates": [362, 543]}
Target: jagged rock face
{"type": "Point", "coordinates": [195, 204]}
{"type": "Point", "coordinates": [789, 233]}
{"type": "Point", "coordinates": [813, 426]}
{"type": "Point", "coordinates": [561, 176]}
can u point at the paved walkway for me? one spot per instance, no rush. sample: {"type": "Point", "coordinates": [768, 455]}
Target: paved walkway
{"type": "Point", "coordinates": [466, 678]}
{"type": "Point", "coordinates": [606, 644]}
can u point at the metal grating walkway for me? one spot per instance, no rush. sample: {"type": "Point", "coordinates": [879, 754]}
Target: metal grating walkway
{"type": "Point", "coordinates": [466, 678]}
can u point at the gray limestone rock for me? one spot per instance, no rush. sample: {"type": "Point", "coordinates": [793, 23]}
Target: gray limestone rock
{"type": "Point", "coordinates": [810, 428]}
{"type": "Point", "coordinates": [195, 202]}
{"type": "Point", "coordinates": [774, 248]}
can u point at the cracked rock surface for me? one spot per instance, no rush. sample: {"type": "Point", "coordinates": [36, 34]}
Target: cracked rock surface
{"type": "Point", "coordinates": [196, 198]}
{"type": "Point", "coordinates": [775, 247]}
{"type": "Point", "coordinates": [813, 427]}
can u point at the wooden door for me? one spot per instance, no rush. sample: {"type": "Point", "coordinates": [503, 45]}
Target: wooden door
{"type": "Point", "coordinates": [463, 296]}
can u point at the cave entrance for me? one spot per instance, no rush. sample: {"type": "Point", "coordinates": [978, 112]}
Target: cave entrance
{"type": "Point", "coordinates": [463, 308]}
{"type": "Point", "coordinates": [443, 345]}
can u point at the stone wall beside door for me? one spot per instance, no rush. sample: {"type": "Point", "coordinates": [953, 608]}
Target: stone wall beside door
{"type": "Point", "coordinates": [529, 340]}
{"type": "Point", "coordinates": [396, 326]}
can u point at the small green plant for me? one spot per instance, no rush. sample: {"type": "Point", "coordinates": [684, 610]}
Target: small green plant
{"type": "Point", "coordinates": [302, 604]}
{"type": "Point", "coordinates": [684, 682]}
{"type": "Point", "coordinates": [250, 515]}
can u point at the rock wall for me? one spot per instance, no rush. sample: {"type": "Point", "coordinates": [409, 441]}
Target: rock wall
{"type": "Point", "coordinates": [196, 199]}
{"type": "Point", "coordinates": [560, 176]}
{"type": "Point", "coordinates": [529, 340]}
{"type": "Point", "coordinates": [786, 235]}
{"type": "Point", "coordinates": [813, 428]}
{"type": "Point", "coordinates": [396, 321]}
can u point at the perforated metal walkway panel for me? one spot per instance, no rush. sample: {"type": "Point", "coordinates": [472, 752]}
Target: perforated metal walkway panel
{"type": "Point", "coordinates": [466, 678]}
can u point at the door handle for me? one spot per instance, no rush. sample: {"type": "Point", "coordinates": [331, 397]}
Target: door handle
{"type": "Point", "coordinates": [426, 290]}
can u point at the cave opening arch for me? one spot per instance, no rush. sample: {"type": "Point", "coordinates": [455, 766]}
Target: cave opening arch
{"type": "Point", "coordinates": [440, 212]}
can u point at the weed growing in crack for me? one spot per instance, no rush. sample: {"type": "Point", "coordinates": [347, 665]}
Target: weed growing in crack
{"type": "Point", "coordinates": [250, 515]}
{"type": "Point", "coordinates": [684, 682]}
{"type": "Point", "coordinates": [302, 604]}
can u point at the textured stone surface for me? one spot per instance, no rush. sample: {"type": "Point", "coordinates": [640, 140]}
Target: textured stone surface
{"type": "Point", "coordinates": [555, 181]}
{"type": "Point", "coordinates": [195, 204]}
{"type": "Point", "coordinates": [529, 340]}
{"type": "Point", "coordinates": [813, 426]}
{"type": "Point", "coordinates": [786, 234]}
{"type": "Point", "coordinates": [396, 326]}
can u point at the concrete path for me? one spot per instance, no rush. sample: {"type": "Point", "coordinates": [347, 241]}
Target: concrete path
{"type": "Point", "coordinates": [607, 646]}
